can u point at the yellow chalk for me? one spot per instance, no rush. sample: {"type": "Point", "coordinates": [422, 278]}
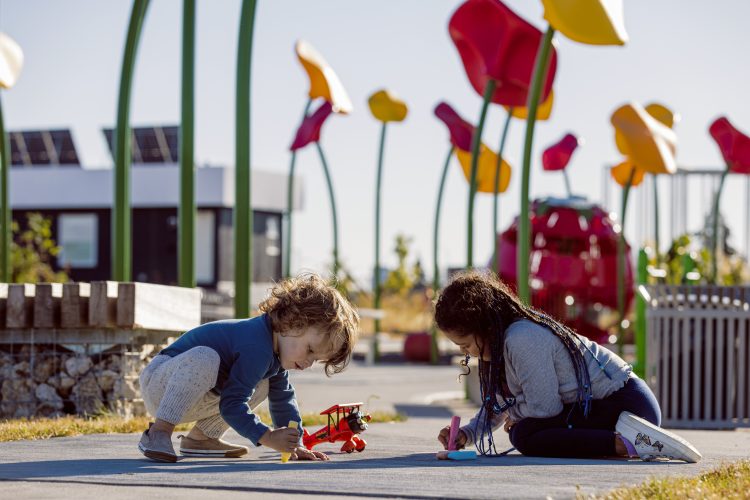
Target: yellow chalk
{"type": "Point", "coordinates": [285, 456]}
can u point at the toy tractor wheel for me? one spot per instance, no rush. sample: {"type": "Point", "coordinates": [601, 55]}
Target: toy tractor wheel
{"type": "Point", "coordinates": [348, 447]}
{"type": "Point", "coordinates": [361, 443]}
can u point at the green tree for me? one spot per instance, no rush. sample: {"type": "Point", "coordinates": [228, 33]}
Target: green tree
{"type": "Point", "coordinates": [32, 251]}
{"type": "Point", "coordinates": [400, 280]}
{"type": "Point", "coordinates": [417, 272]}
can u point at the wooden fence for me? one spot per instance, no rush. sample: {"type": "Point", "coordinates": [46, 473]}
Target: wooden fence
{"type": "Point", "coordinates": [698, 352]}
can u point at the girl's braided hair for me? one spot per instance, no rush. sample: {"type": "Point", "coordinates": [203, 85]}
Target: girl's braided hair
{"type": "Point", "coordinates": [479, 304]}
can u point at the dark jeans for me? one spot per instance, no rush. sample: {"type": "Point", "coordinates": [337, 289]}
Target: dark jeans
{"type": "Point", "coordinates": [570, 434]}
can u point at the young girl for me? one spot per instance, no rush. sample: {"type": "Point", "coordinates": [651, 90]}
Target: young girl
{"type": "Point", "coordinates": [218, 373]}
{"type": "Point", "coordinates": [558, 393]}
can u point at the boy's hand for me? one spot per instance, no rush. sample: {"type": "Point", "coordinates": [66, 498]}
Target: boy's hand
{"type": "Point", "coordinates": [302, 453]}
{"type": "Point", "coordinates": [282, 439]}
{"type": "Point", "coordinates": [460, 438]}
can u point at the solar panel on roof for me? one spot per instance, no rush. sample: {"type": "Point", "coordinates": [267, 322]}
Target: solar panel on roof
{"type": "Point", "coordinates": [150, 144]}
{"type": "Point", "coordinates": [43, 147]}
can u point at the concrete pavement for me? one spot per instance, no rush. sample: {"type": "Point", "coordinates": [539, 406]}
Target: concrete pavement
{"type": "Point", "coordinates": [398, 462]}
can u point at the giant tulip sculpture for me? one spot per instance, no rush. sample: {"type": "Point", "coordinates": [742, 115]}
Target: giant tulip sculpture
{"type": "Point", "coordinates": [309, 133]}
{"type": "Point", "coordinates": [11, 63]}
{"type": "Point", "coordinates": [735, 149]}
{"type": "Point", "coordinates": [324, 84]}
{"type": "Point", "coordinates": [557, 156]}
{"type": "Point", "coordinates": [385, 107]}
{"type": "Point", "coordinates": [649, 146]}
{"type": "Point", "coordinates": [497, 49]}
{"type": "Point", "coordinates": [667, 118]}
{"type": "Point", "coordinates": [593, 22]}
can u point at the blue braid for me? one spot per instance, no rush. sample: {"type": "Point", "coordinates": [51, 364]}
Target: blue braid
{"type": "Point", "coordinates": [489, 378]}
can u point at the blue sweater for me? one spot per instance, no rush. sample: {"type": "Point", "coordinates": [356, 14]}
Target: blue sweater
{"type": "Point", "coordinates": [246, 351]}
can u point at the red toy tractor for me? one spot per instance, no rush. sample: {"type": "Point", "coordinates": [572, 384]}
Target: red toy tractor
{"type": "Point", "coordinates": [345, 421]}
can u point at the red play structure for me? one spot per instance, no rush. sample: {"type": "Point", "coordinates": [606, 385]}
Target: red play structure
{"type": "Point", "coordinates": [573, 264]}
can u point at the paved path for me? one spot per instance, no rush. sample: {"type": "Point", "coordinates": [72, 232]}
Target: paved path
{"type": "Point", "coordinates": [399, 460]}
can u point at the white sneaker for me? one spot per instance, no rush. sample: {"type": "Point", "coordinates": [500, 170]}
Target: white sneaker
{"type": "Point", "coordinates": [652, 442]}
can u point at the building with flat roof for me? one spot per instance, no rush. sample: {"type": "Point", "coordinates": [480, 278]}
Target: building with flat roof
{"type": "Point", "coordinates": [47, 178]}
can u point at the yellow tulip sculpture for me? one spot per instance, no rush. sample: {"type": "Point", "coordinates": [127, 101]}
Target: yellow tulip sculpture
{"type": "Point", "coordinates": [592, 22]}
{"type": "Point", "coordinates": [386, 107]}
{"type": "Point", "coordinates": [11, 63]}
{"type": "Point", "coordinates": [649, 146]}
{"type": "Point", "coordinates": [644, 126]}
{"type": "Point", "coordinates": [486, 172]}
{"type": "Point", "coordinates": [324, 84]}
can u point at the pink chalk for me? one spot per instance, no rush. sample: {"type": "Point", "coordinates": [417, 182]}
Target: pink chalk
{"type": "Point", "coordinates": [455, 424]}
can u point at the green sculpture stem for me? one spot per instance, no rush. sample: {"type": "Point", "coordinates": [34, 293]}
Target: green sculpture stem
{"type": "Point", "coordinates": [6, 234]}
{"type": "Point", "coordinates": [656, 221]}
{"type": "Point", "coordinates": [476, 141]}
{"type": "Point", "coordinates": [496, 195]}
{"type": "Point", "coordinates": [715, 228]}
{"type": "Point", "coordinates": [289, 207]}
{"type": "Point", "coordinates": [243, 221]}
{"type": "Point", "coordinates": [187, 208]}
{"type": "Point", "coordinates": [524, 236]}
{"type": "Point", "coordinates": [334, 212]}
{"type": "Point", "coordinates": [435, 266]}
{"type": "Point", "coordinates": [121, 234]}
{"type": "Point", "coordinates": [621, 266]}
{"type": "Point", "coordinates": [567, 183]}
{"type": "Point", "coordinates": [378, 286]}
{"type": "Point", "coordinates": [640, 317]}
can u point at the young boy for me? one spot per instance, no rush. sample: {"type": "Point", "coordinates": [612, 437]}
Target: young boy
{"type": "Point", "coordinates": [218, 373]}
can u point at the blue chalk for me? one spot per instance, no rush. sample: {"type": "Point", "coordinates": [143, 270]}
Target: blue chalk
{"type": "Point", "coordinates": [462, 455]}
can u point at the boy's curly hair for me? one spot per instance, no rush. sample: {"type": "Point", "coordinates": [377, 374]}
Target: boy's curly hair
{"type": "Point", "coordinates": [307, 300]}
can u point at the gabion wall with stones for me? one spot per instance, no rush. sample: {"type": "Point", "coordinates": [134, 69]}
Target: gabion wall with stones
{"type": "Point", "coordinates": [52, 380]}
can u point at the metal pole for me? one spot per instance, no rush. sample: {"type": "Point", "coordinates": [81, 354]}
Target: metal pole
{"type": "Point", "coordinates": [6, 234]}
{"type": "Point", "coordinates": [121, 234]}
{"type": "Point", "coordinates": [435, 244]}
{"type": "Point", "coordinates": [334, 212]}
{"type": "Point", "coordinates": [476, 142]}
{"type": "Point", "coordinates": [243, 221]}
{"type": "Point", "coordinates": [524, 233]}
{"type": "Point", "coordinates": [289, 207]}
{"type": "Point", "coordinates": [377, 291]}
{"type": "Point", "coordinates": [187, 209]}
{"type": "Point", "coordinates": [496, 197]}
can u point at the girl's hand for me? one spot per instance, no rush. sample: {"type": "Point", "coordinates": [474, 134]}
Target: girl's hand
{"type": "Point", "coordinates": [508, 425]}
{"type": "Point", "coordinates": [445, 433]}
{"type": "Point", "coordinates": [282, 439]}
{"type": "Point", "coordinates": [302, 453]}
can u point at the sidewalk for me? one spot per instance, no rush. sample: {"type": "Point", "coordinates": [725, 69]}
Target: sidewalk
{"type": "Point", "coordinates": [398, 462]}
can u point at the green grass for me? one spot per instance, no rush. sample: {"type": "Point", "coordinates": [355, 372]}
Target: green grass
{"type": "Point", "coordinates": [729, 481]}
{"type": "Point", "coordinates": [46, 428]}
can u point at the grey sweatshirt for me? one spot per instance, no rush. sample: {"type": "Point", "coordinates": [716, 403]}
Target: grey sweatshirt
{"type": "Point", "coordinates": [541, 376]}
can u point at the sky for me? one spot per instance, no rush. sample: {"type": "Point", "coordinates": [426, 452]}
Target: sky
{"type": "Point", "coordinates": [686, 54]}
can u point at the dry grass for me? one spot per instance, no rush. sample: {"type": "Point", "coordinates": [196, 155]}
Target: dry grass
{"type": "Point", "coordinates": [403, 313]}
{"type": "Point", "coordinates": [729, 481]}
{"type": "Point", "coordinates": [46, 428]}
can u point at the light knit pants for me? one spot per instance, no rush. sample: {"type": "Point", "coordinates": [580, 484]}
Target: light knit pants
{"type": "Point", "coordinates": [178, 390]}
